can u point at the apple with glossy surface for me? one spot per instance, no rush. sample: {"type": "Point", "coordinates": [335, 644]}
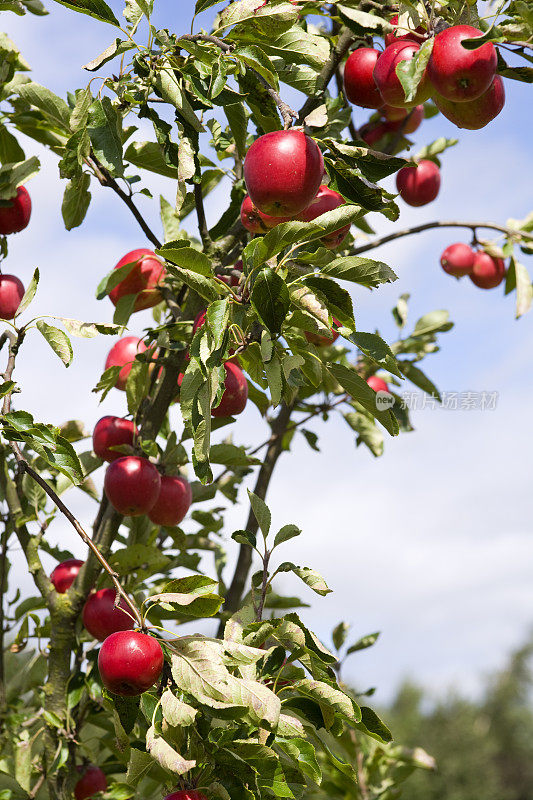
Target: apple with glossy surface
{"type": "Point", "coordinates": [122, 354]}
{"type": "Point", "coordinates": [187, 794]}
{"type": "Point", "coordinates": [283, 171]}
{"type": "Point", "coordinates": [64, 574]}
{"type": "Point", "coordinates": [359, 85]}
{"type": "Point", "coordinates": [257, 222]}
{"type": "Point", "coordinates": [458, 259]}
{"type": "Point", "coordinates": [175, 498]}
{"type": "Point", "coordinates": [395, 123]}
{"type": "Point", "coordinates": [132, 485]}
{"type": "Point", "coordinates": [112, 432]}
{"type": "Point", "coordinates": [419, 185]}
{"type": "Point", "coordinates": [326, 200]}
{"type": "Point", "coordinates": [377, 384]}
{"type": "Point", "coordinates": [487, 271]}
{"type": "Point", "coordinates": [11, 293]}
{"type": "Point", "coordinates": [142, 280]}
{"type": "Point", "coordinates": [15, 213]}
{"type": "Point", "coordinates": [91, 782]}
{"type": "Point", "coordinates": [457, 73]}
{"type": "Point", "coordinates": [395, 36]}
{"type": "Point", "coordinates": [101, 617]}
{"type": "Point", "coordinates": [235, 394]}
{"type": "Point", "coordinates": [387, 81]}
{"type": "Point", "coordinates": [321, 340]}
{"type": "Point", "coordinates": [474, 114]}
{"type": "Point", "coordinates": [130, 662]}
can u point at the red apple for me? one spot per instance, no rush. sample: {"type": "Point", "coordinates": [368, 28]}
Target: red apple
{"type": "Point", "coordinates": [377, 384]}
{"type": "Point", "coordinates": [130, 662]}
{"type": "Point", "coordinates": [175, 498]}
{"type": "Point", "coordinates": [474, 114]}
{"type": "Point", "coordinates": [11, 293]}
{"type": "Point", "coordinates": [457, 73]}
{"type": "Point", "coordinates": [372, 132]}
{"type": "Point", "coordinates": [487, 271]}
{"type": "Point", "coordinates": [132, 485]}
{"type": "Point", "coordinates": [91, 782]}
{"type": "Point", "coordinates": [359, 85]}
{"type": "Point", "coordinates": [458, 259]}
{"type": "Point", "coordinates": [111, 432]}
{"type": "Point", "coordinates": [63, 575]}
{"type": "Point", "coordinates": [199, 320]}
{"type": "Point", "coordinates": [15, 213]}
{"type": "Point", "coordinates": [411, 36]}
{"type": "Point", "coordinates": [122, 354]}
{"type": "Point", "coordinates": [419, 184]}
{"type": "Point", "coordinates": [387, 80]}
{"type": "Point", "coordinates": [142, 280]}
{"type": "Point", "coordinates": [257, 222]}
{"type": "Point", "coordinates": [326, 200]}
{"type": "Point", "coordinates": [396, 122]}
{"type": "Point", "coordinates": [102, 618]}
{"type": "Point", "coordinates": [233, 280]}
{"type": "Point", "coordinates": [321, 340]}
{"type": "Point", "coordinates": [189, 794]}
{"type": "Point", "coordinates": [235, 392]}
{"type": "Point", "coordinates": [283, 170]}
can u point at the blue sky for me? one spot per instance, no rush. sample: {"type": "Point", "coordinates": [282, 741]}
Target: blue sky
{"type": "Point", "coordinates": [431, 544]}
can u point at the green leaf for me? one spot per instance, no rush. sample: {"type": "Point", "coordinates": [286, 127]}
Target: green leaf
{"type": "Point", "coordinates": [332, 701]}
{"type": "Point", "coordinates": [368, 432]}
{"type": "Point", "coordinates": [182, 255]}
{"type": "Point", "coordinates": [435, 148]}
{"type": "Point", "coordinates": [359, 269]}
{"type": "Point", "coordinates": [416, 376]}
{"type": "Point", "coordinates": [165, 755]}
{"type": "Point", "coordinates": [245, 537]}
{"type": "Point", "coordinates": [171, 221]}
{"type": "Point", "coordinates": [14, 175]}
{"type": "Point", "coordinates": [149, 156]}
{"type": "Point", "coordinates": [104, 127]}
{"type": "Point", "coordinates": [10, 150]}
{"type": "Point", "coordinates": [359, 389]}
{"type": "Point", "coordinates": [270, 299]}
{"type": "Point", "coordinates": [258, 12]}
{"type": "Point", "coordinates": [261, 513]}
{"type": "Point", "coordinates": [303, 753]}
{"type": "Point", "coordinates": [524, 288]}
{"type": "Point", "coordinates": [377, 349]}
{"type": "Point", "coordinates": [410, 73]}
{"type": "Point", "coordinates": [76, 200]}
{"type": "Point", "coordinates": [363, 643]}
{"type": "Point", "coordinates": [433, 322]}
{"type": "Point", "coordinates": [175, 711]}
{"type": "Point", "coordinates": [313, 579]}
{"type": "Point", "coordinates": [339, 634]}
{"type": "Point", "coordinates": [203, 5]}
{"type": "Point", "coordinates": [46, 101]}
{"type": "Point", "coordinates": [117, 48]}
{"type": "Point", "coordinates": [127, 709]}
{"type": "Point", "coordinates": [58, 341]}
{"type": "Point", "coordinates": [373, 726]}
{"type": "Point", "coordinates": [139, 765]}
{"type": "Point", "coordinates": [29, 294]}
{"type": "Point", "coordinates": [286, 533]}
{"type": "Point", "coordinates": [254, 57]}
{"type": "Point", "coordinates": [93, 8]}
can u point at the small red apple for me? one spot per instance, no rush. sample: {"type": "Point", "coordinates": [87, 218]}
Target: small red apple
{"type": "Point", "coordinates": [326, 200]}
{"type": "Point", "coordinates": [419, 184]}
{"type": "Point", "coordinates": [387, 80]}
{"type": "Point", "coordinates": [377, 384]}
{"type": "Point", "coordinates": [487, 271]}
{"type": "Point", "coordinates": [474, 114]}
{"type": "Point", "coordinates": [283, 170]}
{"type": "Point", "coordinates": [458, 259]}
{"type": "Point", "coordinates": [395, 122]}
{"type": "Point", "coordinates": [359, 85]}
{"type": "Point", "coordinates": [11, 293]}
{"type": "Point", "coordinates": [63, 575]}
{"type": "Point", "coordinates": [411, 36]}
{"type": "Point", "coordinates": [122, 354]}
{"type": "Point", "coordinates": [102, 618]}
{"type": "Point", "coordinates": [15, 214]}
{"type": "Point", "coordinates": [142, 280]}
{"type": "Point", "coordinates": [91, 782]}
{"type": "Point", "coordinates": [130, 662]}
{"type": "Point", "coordinates": [372, 132]}
{"type": "Point", "coordinates": [132, 485]}
{"type": "Point", "coordinates": [189, 794]}
{"type": "Point", "coordinates": [175, 498]}
{"type": "Point", "coordinates": [321, 340]}
{"type": "Point", "coordinates": [233, 280]}
{"type": "Point", "coordinates": [457, 73]}
{"type": "Point", "coordinates": [257, 222]}
{"type": "Point", "coordinates": [111, 432]}
{"type": "Point", "coordinates": [235, 392]}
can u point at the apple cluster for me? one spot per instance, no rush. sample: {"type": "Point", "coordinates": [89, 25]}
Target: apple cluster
{"type": "Point", "coordinates": [462, 83]}
{"type": "Point", "coordinates": [484, 270]}
{"type": "Point", "coordinates": [14, 217]}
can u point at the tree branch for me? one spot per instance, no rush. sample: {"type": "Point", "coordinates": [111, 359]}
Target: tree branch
{"type": "Point", "coordinates": [345, 39]}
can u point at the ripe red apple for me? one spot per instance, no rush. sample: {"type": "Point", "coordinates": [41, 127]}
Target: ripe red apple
{"type": "Point", "coordinates": [387, 80]}
{"type": "Point", "coordinates": [411, 36]}
{"type": "Point", "coordinates": [130, 662]}
{"type": "Point", "coordinates": [458, 259]}
{"type": "Point", "coordinates": [132, 485]}
{"type": "Point", "coordinates": [321, 340]}
{"type": "Point", "coordinates": [283, 170]}
{"type": "Point", "coordinates": [102, 618]}
{"type": "Point", "coordinates": [235, 392]}
{"type": "Point", "coordinates": [372, 132]}
{"type": "Point", "coordinates": [11, 293]}
{"type": "Point", "coordinates": [142, 280]}
{"type": "Point", "coordinates": [395, 121]}
{"type": "Point", "coordinates": [257, 222]}
{"type": "Point", "coordinates": [326, 200]}
{"type": "Point", "coordinates": [487, 271]}
{"type": "Point", "coordinates": [15, 214]}
{"type": "Point", "coordinates": [175, 498]}
{"type": "Point", "coordinates": [377, 384]}
{"type": "Point", "coordinates": [189, 794]}
{"type": "Point", "coordinates": [419, 184]}
{"type": "Point", "coordinates": [474, 114]}
{"type": "Point", "coordinates": [199, 320]}
{"type": "Point", "coordinates": [122, 354]}
{"type": "Point", "coordinates": [457, 73]}
{"type": "Point", "coordinates": [91, 782]}
{"type": "Point", "coordinates": [359, 85]}
{"type": "Point", "coordinates": [63, 575]}
{"type": "Point", "coordinates": [111, 432]}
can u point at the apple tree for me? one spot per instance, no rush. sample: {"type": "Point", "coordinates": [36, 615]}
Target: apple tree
{"type": "Point", "coordinates": [100, 692]}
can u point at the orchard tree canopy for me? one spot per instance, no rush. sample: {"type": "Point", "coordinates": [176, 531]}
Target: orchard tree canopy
{"type": "Point", "coordinates": [99, 692]}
